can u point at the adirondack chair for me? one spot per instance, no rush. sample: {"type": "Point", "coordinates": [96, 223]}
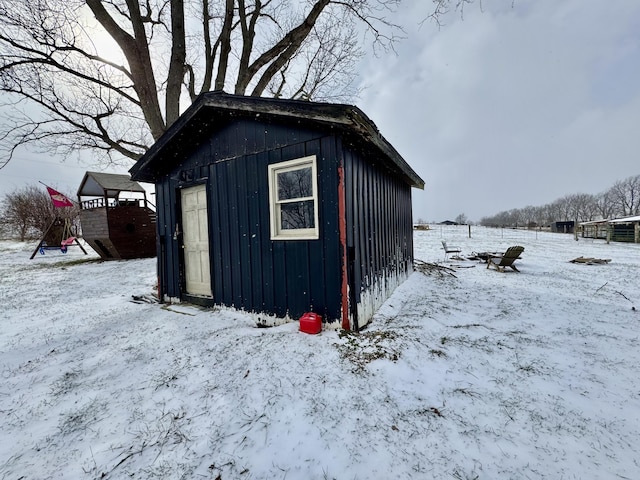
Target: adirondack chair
{"type": "Point", "coordinates": [449, 249]}
{"type": "Point", "coordinates": [506, 259]}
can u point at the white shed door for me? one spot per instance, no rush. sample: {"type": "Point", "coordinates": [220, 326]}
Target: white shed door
{"type": "Point", "coordinates": [195, 229]}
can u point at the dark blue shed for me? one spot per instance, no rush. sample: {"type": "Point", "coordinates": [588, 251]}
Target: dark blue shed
{"type": "Point", "coordinates": [280, 207]}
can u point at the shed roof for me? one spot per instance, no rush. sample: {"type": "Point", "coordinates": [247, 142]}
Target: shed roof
{"type": "Point", "coordinates": [633, 219]}
{"type": "Point", "coordinates": [211, 107]}
{"type": "Point", "coordinates": [98, 184]}
{"type": "Point", "coordinates": [595, 222]}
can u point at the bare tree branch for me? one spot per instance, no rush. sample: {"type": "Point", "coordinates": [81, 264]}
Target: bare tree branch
{"type": "Point", "coordinates": [64, 90]}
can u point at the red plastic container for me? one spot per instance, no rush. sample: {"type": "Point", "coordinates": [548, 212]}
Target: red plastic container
{"type": "Point", "coordinates": [311, 323]}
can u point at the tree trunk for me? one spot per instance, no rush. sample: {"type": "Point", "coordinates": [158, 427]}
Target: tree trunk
{"type": "Point", "coordinates": [225, 45]}
{"type": "Point", "coordinates": [280, 53]}
{"type": "Point", "coordinates": [177, 62]}
{"type": "Point", "coordinates": [136, 51]}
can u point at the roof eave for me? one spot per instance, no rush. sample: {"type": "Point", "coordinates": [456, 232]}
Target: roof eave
{"type": "Point", "coordinates": [338, 115]}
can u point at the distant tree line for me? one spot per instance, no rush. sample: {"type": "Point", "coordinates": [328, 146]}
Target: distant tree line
{"type": "Point", "coordinates": [621, 200]}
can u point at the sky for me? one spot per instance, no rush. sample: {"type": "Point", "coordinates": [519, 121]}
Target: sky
{"type": "Point", "coordinates": [514, 104]}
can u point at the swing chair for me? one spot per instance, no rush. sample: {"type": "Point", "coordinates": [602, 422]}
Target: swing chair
{"type": "Point", "coordinates": [59, 236]}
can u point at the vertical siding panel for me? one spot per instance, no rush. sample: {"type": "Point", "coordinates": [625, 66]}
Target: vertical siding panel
{"type": "Point", "coordinates": [250, 139]}
{"type": "Point", "coordinates": [254, 233]}
{"type": "Point", "coordinates": [264, 234]}
{"type": "Point", "coordinates": [372, 232]}
{"type": "Point", "coordinates": [368, 254]}
{"type": "Point", "coordinates": [362, 223]}
{"type": "Point", "coordinates": [276, 136]}
{"type": "Point", "coordinates": [403, 228]}
{"type": "Point", "coordinates": [245, 267]}
{"type": "Point", "coordinates": [409, 225]}
{"type": "Point", "coordinates": [397, 234]}
{"type": "Point", "coordinates": [381, 218]}
{"type": "Point", "coordinates": [239, 146]}
{"type": "Point", "coordinates": [377, 185]}
{"type": "Point", "coordinates": [386, 230]}
{"type": "Point", "coordinates": [224, 143]}
{"type": "Point", "coordinates": [333, 248]}
{"type": "Point", "coordinates": [357, 235]}
{"type": "Point", "coordinates": [371, 216]}
{"type": "Point", "coordinates": [320, 262]}
{"type": "Point", "coordinates": [215, 239]}
{"type": "Point", "coordinates": [375, 259]}
{"type": "Point", "coordinates": [226, 291]}
{"type": "Point", "coordinates": [361, 254]}
{"type": "Point", "coordinates": [279, 279]}
{"type": "Point", "coordinates": [279, 259]}
{"type": "Point", "coordinates": [164, 226]}
{"type": "Point", "coordinates": [297, 276]}
{"type": "Point", "coordinates": [372, 227]}
{"type": "Point", "coordinates": [392, 234]}
{"type": "Point", "coordinates": [351, 216]}
{"type": "Point", "coordinates": [234, 276]}
{"type": "Point", "coordinates": [402, 240]}
{"type": "Point", "coordinates": [163, 240]}
{"type": "Point", "coordinates": [357, 274]}
{"type": "Point", "coordinates": [291, 152]}
{"type": "Point", "coordinates": [172, 203]}
{"type": "Point", "coordinates": [349, 195]}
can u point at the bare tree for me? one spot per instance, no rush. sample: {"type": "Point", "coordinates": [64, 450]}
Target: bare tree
{"type": "Point", "coordinates": [604, 206]}
{"type": "Point", "coordinates": [443, 7]}
{"type": "Point", "coordinates": [15, 217]}
{"type": "Point", "coordinates": [528, 216]}
{"type": "Point", "coordinates": [625, 196]}
{"type": "Point", "coordinates": [28, 212]}
{"type": "Point", "coordinates": [110, 76]}
{"type": "Point", "coordinates": [500, 219]}
{"type": "Point", "coordinates": [581, 207]}
{"type": "Point", "coordinates": [461, 219]}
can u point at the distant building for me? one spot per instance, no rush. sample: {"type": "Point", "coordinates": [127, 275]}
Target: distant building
{"type": "Point", "coordinates": [563, 227]}
{"type": "Point", "coordinates": [625, 229]}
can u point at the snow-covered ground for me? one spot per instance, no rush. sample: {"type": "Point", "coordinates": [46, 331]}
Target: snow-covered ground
{"type": "Point", "coordinates": [484, 375]}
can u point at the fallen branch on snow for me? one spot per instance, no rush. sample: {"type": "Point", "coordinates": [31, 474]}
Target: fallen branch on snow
{"type": "Point", "coordinates": [590, 261]}
{"type": "Point", "coordinates": [433, 268]}
{"type": "Point", "coordinates": [633, 307]}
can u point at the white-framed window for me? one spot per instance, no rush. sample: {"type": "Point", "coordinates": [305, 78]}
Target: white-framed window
{"type": "Point", "coordinates": [293, 199]}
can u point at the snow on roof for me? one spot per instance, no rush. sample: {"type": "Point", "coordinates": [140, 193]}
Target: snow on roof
{"type": "Point", "coordinates": [594, 222]}
{"type": "Point", "coordinates": [635, 218]}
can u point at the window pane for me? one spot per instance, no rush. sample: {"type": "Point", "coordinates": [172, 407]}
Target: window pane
{"type": "Point", "coordinates": [295, 184]}
{"type": "Point", "coordinates": [296, 215]}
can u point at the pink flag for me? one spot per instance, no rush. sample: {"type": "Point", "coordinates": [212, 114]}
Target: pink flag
{"type": "Point", "coordinates": [58, 199]}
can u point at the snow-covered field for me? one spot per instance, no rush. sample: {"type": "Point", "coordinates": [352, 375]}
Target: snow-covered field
{"type": "Point", "coordinates": [480, 376]}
